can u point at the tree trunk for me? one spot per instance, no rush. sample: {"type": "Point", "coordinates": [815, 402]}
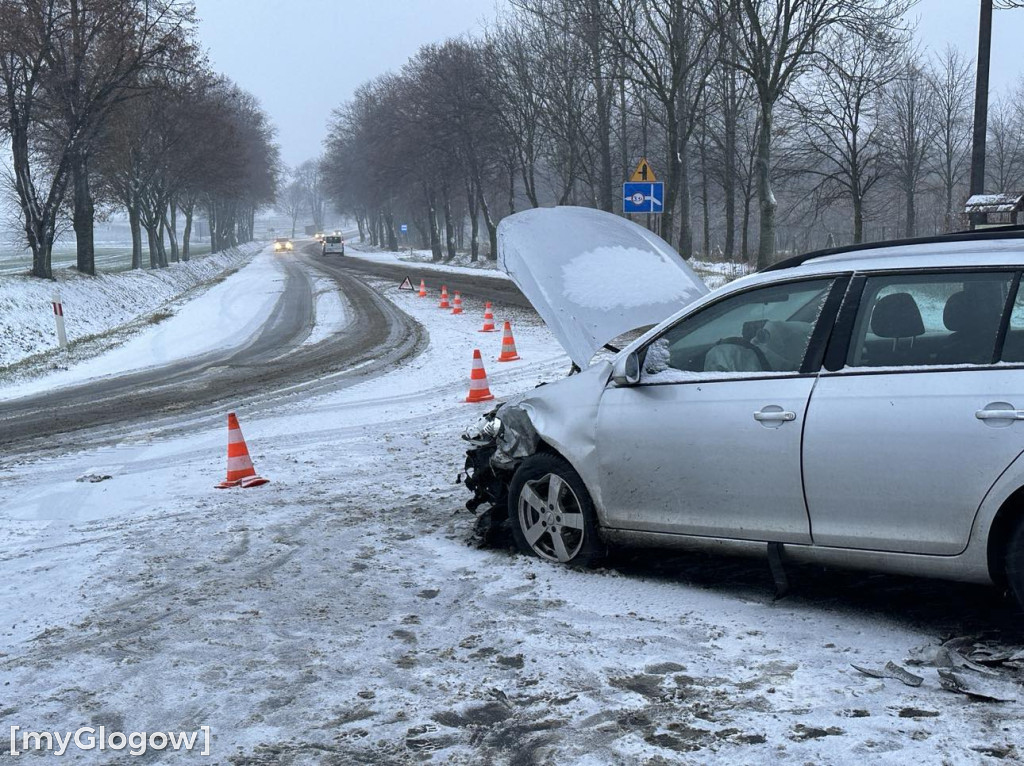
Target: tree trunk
{"type": "Point", "coordinates": [474, 222]}
{"type": "Point", "coordinates": [492, 227]}
{"type": "Point", "coordinates": [672, 181]}
{"type": "Point", "coordinates": [170, 225]}
{"type": "Point", "coordinates": [154, 253]}
{"type": "Point", "coordinates": [512, 192]}
{"type": "Point", "coordinates": [858, 219]}
{"type": "Point", "coordinates": [449, 226]}
{"type": "Point", "coordinates": [435, 235]}
{"type": "Point", "coordinates": [685, 247]}
{"type": "Point", "coordinates": [136, 226]}
{"type": "Point", "coordinates": [911, 213]}
{"type": "Point", "coordinates": [83, 216]}
{"type": "Point", "coordinates": [186, 235]}
{"type": "Point", "coordinates": [729, 159]}
{"type": "Point", "coordinates": [705, 207]}
{"type": "Point", "coordinates": [765, 195]}
{"type": "Point", "coordinates": [745, 230]}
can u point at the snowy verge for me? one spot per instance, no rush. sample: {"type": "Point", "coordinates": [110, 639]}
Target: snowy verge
{"type": "Point", "coordinates": [227, 313]}
{"type": "Point", "coordinates": [95, 305]}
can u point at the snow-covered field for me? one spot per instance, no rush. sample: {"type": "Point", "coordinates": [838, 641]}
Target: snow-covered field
{"type": "Point", "coordinates": [340, 614]}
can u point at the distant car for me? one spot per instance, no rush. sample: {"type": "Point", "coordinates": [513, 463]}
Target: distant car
{"type": "Point", "coordinates": [333, 243]}
{"type": "Point", "coordinates": [858, 406]}
{"type": "Point", "coordinates": [283, 245]}
{"type": "Point", "coordinates": [319, 236]}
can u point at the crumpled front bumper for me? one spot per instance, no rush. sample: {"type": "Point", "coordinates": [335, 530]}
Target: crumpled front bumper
{"type": "Point", "coordinates": [499, 440]}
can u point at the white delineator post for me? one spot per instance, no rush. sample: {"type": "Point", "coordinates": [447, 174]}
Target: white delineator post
{"type": "Point", "coordinates": [58, 316]}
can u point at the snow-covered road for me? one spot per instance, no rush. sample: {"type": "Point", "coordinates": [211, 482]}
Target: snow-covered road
{"type": "Point", "coordinates": [340, 615]}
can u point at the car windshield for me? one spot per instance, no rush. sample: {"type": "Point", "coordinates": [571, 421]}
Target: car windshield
{"type": "Point", "coordinates": [332, 240]}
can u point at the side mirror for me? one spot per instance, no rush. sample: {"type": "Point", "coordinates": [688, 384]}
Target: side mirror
{"type": "Point", "coordinates": [626, 370]}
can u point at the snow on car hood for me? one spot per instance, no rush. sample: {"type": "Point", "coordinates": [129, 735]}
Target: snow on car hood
{"type": "Point", "coordinates": [592, 275]}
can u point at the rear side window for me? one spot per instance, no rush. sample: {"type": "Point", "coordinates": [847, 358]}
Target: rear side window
{"type": "Point", "coordinates": [929, 319]}
{"type": "Point", "coordinates": [1013, 346]}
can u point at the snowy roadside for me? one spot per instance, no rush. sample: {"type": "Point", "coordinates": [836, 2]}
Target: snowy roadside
{"type": "Point", "coordinates": [337, 615]}
{"type": "Point", "coordinates": [96, 305]}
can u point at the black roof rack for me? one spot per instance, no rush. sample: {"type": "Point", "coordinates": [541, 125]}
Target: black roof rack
{"type": "Point", "coordinates": [995, 232]}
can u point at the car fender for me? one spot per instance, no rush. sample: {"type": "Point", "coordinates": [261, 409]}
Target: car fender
{"type": "Point", "coordinates": [564, 414]}
{"type": "Point", "coordinates": [1009, 481]}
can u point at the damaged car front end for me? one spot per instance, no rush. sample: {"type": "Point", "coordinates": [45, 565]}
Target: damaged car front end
{"type": "Point", "coordinates": [592, 277]}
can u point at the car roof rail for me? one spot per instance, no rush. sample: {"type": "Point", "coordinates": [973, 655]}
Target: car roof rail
{"type": "Point", "coordinates": [1011, 231]}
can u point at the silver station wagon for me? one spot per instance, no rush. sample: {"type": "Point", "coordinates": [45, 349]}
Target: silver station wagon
{"type": "Point", "coordinates": [858, 407]}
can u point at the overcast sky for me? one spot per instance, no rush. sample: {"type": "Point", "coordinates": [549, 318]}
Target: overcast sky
{"type": "Point", "coordinates": [302, 58]}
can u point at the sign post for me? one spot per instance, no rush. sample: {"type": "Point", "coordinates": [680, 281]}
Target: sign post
{"type": "Point", "coordinates": [58, 316]}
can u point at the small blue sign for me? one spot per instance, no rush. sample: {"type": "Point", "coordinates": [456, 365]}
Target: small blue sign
{"type": "Point", "coordinates": [404, 227]}
{"type": "Point", "coordinates": [643, 197]}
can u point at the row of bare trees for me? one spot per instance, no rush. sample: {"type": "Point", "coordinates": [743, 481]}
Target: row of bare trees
{"type": "Point", "coordinates": [109, 103]}
{"type": "Point", "coordinates": [776, 125]}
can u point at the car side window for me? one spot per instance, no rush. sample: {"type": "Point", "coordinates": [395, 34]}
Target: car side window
{"type": "Point", "coordinates": [1013, 346]}
{"type": "Point", "coordinates": [761, 331]}
{"type": "Point", "coordinates": [914, 320]}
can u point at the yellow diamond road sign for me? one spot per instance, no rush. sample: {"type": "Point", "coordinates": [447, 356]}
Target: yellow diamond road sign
{"type": "Point", "coordinates": [643, 173]}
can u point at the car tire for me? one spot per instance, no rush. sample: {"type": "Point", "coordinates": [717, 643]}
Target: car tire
{"type": "Point", "coordinates": [1015, 562]}
{"type": "Point", "coordinates": [551, 513]}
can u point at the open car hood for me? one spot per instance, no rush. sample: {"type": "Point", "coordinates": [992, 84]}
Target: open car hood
{"type": "Point", "coordinates": [592, 275]}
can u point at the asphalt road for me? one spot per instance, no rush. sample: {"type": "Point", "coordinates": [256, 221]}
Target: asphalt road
{"type": "Point", "coordinates": [483, 287]}
{"type": "Point", "coordinates": [274, 366]}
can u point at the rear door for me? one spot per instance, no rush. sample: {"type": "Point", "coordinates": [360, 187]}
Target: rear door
{"type": "Point", "coordinates": [913, 422]}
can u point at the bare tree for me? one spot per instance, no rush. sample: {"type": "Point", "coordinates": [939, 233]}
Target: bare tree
{"type": "Point", "coordinates": [950, 85]}
{"type": "Point", "coordinates": [292, 200]}
{"type": "Point", "coordinates": [774, 42]}
{"type": "Point", "coordinates": [910, 133]}
{"type": "Point", "coordinates": [840, 109]}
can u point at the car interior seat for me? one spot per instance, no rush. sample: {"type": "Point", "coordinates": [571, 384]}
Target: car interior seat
{"type": "Point", "coordinates": [972, 317]}
{"type": "Point", "coordinates": [898, 318]}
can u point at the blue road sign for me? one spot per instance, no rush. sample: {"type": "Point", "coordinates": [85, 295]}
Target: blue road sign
{"type": "Point", "coordinates": [405, 228]}
{"type": "Point", "coordinates": [643, 197]}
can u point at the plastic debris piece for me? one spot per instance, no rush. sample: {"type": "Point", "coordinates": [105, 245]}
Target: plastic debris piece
{"type": "Point", "coordinates": [892, 670]}
{"type": "Point", "coordinates": [978, 688]}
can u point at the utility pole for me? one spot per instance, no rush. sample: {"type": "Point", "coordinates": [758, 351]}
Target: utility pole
{"type": "Point", "coordinates": [981, 100]}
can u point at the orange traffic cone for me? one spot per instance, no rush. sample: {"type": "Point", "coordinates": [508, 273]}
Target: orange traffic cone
{"type": "Point", "coordinates": [508, 345]}
{"type": "Point", "coordinates": [488, 319]}
{"type": "Point", "coordinates": [241, 472]}
{"type": "Point", "coordinates": [458, 303]}
{"type": "Point", "coordinates": [444, 298]}
{"type": "Point", "coordinates": [423, 289]}
{"type": "Point", "coordinates": [478, 390]}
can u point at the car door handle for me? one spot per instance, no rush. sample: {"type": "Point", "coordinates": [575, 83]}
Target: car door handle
{"type": "Point", "coordinates": [774, 416]}
{"type": "Point", "coordinates": [999, 414]}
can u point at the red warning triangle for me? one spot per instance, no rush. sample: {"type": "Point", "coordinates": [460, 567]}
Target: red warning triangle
{"type": "Point", "coordinates": [406, 284]}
